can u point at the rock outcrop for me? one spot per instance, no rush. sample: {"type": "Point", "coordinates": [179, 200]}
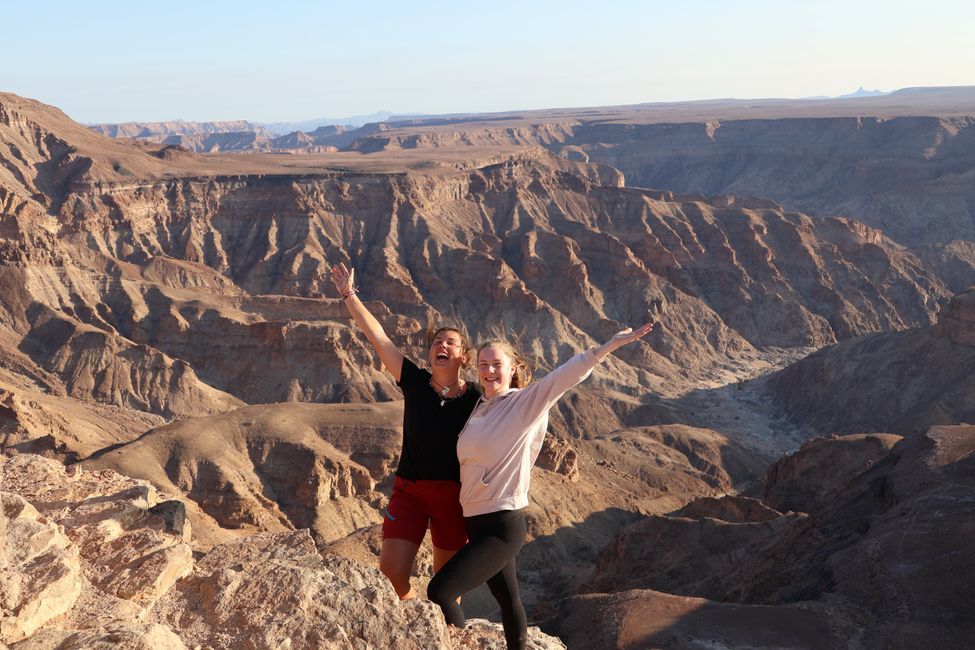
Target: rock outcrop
{"type": "Point", "coordinates": [878, 555]}
{"type": "Point", "coordinates": [899, 382]}
{"type": "Point", "coordinates": [817, 474]}
{"type": "Point", "coordinates": [40, 574]}
{"type": "Point", "coordinates": [91, 559]}
{"type": "Point", "coordinates": [688, 556]}
{"type": "Point", "coordinates": [957, 319]}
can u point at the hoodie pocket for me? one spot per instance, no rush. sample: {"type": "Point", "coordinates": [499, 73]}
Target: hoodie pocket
{"type": "Point", "coordinates": [473, 486]}
{"type": "Point", "coordinates": [473, 475]}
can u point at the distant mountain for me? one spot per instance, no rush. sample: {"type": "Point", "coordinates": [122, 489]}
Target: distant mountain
{"type": "Point", "coordinates": [157, 131]}
{"type": "Point", "coordinates": [856, 94]}
{"type": "Point", "coordinates": [862, 92]}
{"type": "Point", "coordinates": [282, 128]}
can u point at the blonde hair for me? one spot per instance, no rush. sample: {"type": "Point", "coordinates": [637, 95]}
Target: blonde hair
{"type": "Point", "coordinates": [521, 374]}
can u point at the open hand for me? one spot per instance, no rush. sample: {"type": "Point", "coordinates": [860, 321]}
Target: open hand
{"type": "Point", "coordinates": [343, 279]}
{"type": "Point", "coordinates": [629, 335]}
{"type": "Point", "coordinates": [621, 338]}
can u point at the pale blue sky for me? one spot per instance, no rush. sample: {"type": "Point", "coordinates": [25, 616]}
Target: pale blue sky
{"type": "Point", "coordinates": [211, 60]}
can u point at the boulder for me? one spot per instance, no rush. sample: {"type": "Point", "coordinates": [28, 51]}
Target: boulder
{"type": "Point", "coordinates": [821, 469]}
{"type": "Point", "coordinates": [274, 588]}
{"type": "Point", "coordinates": [41, 577]}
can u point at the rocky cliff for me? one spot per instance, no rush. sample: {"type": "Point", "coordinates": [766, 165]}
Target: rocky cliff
{"type": "Point", "coordinates": [908, 176]}
{"type": "Point", "coordinates": [899, 382]}
{"type": "Point", "coordinates": [902, 163]}
{"type": "Point", "coordinates": [119, 259]}
{"type": "Point", "coordinates": [873, 563]}
{"type": "Point", "coordinates": [155, 304]}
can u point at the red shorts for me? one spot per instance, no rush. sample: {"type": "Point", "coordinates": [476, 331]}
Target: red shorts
{"type": "Point", "coordinates": [417, 505]}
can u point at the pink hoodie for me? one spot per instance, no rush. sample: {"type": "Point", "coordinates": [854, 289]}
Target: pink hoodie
{"type": "Point", "coordinates": [500, 442]}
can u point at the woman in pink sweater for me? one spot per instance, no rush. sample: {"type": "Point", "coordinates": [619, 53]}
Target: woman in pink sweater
{"type": "Point", "coordinates": [497, 449]}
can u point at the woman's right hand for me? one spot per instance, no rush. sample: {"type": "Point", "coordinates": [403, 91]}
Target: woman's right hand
{"type": "Point", "coordinates": [343, 279]}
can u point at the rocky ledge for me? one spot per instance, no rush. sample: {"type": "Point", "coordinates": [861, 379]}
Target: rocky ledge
{"type": "Point", "coordinates": [92, 559]}
{"type": "Point", "coordinates": [957, 320]}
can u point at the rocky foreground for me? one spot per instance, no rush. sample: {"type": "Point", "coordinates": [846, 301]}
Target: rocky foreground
{"type": "Point", "coordinates": [865, 555]}
{"type": "Point", "coordinates": [98, 560]}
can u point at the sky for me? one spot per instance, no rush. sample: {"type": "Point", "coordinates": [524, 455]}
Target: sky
{"type": "Point", "coordinates": [107, 61]}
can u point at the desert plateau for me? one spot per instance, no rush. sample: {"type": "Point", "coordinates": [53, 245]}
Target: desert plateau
{"type": "Point", "coordinates": [197, 443]}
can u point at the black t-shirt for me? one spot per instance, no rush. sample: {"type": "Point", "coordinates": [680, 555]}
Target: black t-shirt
{"type": "Point", "coordinates": [430, 431]}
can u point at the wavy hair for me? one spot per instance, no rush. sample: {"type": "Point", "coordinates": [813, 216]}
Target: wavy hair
{"type": "Point", "coordinates": [522, 372]}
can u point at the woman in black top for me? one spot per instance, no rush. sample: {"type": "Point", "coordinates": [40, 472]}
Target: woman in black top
{"type": "Point", "coordinates": [436, 406]}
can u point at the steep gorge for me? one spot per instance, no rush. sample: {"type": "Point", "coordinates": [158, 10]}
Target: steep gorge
{"type": "Point", "coordinates": [145, 284]}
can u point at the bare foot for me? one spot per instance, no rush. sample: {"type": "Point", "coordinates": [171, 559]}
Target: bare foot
{"type": "Point", "coordinates": [408, 595]}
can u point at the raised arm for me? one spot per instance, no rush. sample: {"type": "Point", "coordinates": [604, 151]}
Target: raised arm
{"type": "Point", "coordinates": [389, 354]}
{"type": "Point", "coordinates": [543, 394]}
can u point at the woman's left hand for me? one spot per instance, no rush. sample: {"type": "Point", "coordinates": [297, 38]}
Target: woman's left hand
{"type": "Point", "coordinates": [629, 335]}
{"type": "Point", "coordinates": [621, 338]}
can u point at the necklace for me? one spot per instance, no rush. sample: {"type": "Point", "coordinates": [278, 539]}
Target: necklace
{"type": "Point", "coordinates": [443, 390]}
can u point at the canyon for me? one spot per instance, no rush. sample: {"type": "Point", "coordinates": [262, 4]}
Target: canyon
{"type": "Point", "coordinates": [169, 334]}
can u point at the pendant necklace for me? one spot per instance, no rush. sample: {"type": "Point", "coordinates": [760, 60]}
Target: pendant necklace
{"type": "Point", "coordinates": [443, 390]}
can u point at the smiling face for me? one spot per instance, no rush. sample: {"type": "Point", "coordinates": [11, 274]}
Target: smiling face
{"type": "Point", "coordinates": [494, 370]}
{"type": "Point", "coordinates": [448, 351]}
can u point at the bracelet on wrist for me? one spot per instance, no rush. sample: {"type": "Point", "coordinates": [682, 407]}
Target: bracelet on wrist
{"type": "Point", "coordinates": [351, 292]}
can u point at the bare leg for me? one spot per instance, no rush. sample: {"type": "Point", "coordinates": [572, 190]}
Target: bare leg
{"type": "Point", "coordinates": [440, 557]}
{"type": "Point", "coordinates": [396, 563]}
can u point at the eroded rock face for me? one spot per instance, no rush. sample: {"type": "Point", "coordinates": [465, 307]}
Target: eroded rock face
{"type": "Point", "coordinates": [820, 166]}
{"type": "Point", "coordinates": [893, 529]}
{"type": "Point", "coordinates": [820, 471]}
{"type": "Point", "coordinates": [102, 366]}
{"type": "Point", "coordinates": [172, 264]}
{"type": "Point", "coordinates": [901, 382]}
{"type": "Point", "coordinates": [957, 319]}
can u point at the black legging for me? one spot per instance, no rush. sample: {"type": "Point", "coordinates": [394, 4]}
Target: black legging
{"type": "Point", "coordinates": [489, 556]}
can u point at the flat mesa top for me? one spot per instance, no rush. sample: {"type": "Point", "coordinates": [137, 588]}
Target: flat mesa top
{"type": "Point", "coordinates": [487, 139]}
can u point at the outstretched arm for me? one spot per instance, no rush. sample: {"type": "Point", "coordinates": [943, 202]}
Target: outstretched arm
{"type": "Point", "coordinates": [389, 354]}
{"type": "Point", "coordinates": [543, 394]}
{"type": "Point", "coordinates": [620, 339]}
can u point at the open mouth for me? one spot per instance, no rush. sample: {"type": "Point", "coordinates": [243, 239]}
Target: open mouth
{"type": "Point", "coordinates": [442, 356]}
